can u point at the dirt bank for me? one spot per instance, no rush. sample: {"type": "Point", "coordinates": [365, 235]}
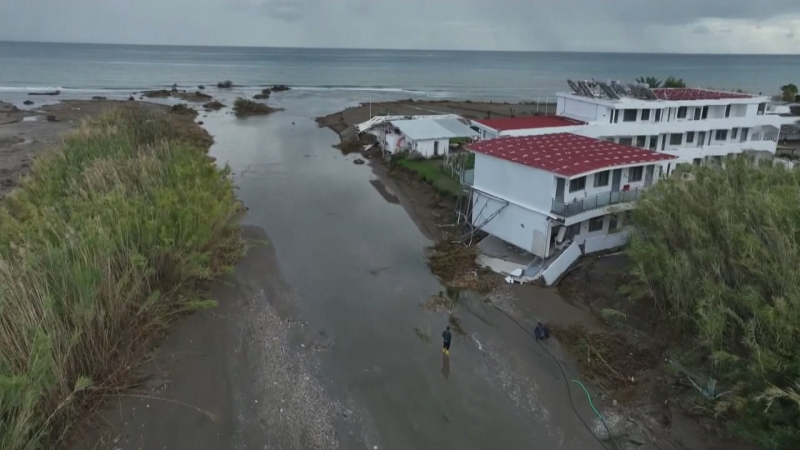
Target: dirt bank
{"type": "Point", "coordinates": [26, 134]}
{"type": "Point", "coordinates": [339, 121]}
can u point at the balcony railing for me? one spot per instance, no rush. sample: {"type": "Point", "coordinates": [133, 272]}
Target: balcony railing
{"type": "Point", "coordinates": [594, 202]}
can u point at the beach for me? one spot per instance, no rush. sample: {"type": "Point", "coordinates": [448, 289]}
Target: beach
{"type": "Point", "coordinates": [323, 335]}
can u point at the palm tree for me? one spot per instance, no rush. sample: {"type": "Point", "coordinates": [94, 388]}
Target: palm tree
{"type": "Point", "coordinates": [652, 82]}
{"type": "Point", "coordinates": [788, 92]}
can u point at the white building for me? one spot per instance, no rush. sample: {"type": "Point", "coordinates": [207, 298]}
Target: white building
{"type": "Point", "coordinates": [546, 193]}
{"type": "Point", "coordinates": [693, 125]}
{"type": "Point", "coordinates": [428, 137]}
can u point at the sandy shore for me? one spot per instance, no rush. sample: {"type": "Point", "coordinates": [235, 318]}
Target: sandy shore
{"type": "Point", "coordinates": [339, 121]}
{"type": "Point", "coordinates": [26, 134]}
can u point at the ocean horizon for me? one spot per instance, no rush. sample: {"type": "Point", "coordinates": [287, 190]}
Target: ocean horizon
{"type": "Point", "coordinates": [80, 70]}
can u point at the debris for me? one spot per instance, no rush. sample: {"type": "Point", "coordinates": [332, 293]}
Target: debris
{"type": "Point", "coordinates": [358, 161]}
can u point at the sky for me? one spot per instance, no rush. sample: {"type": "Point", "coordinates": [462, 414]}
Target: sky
{"type": "Point", "coordinates": [670, 26]}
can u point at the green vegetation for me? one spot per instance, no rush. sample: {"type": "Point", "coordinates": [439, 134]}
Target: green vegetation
{"type": "Point", "coordinates": [719, 256]}
{"type": "Point", "coordinates": [182, 108]}
{"type": "Point", "coordinates": [789, 92]}
{"type": "Point", "coordinates": [100, 248]}
{"type": "Point", "coordinates": [244, 107]}
{"type": "Point", "coordinates": [214, 105]}
{"type": "Point", "coordinates": [652, 82]}
{"type": "Point", "coordinates": [430, 170]}
{"type": "Point", "coordinates": [672, 82]}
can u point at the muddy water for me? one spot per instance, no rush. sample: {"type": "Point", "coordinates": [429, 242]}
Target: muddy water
{"type": "Point", "coordinates": [356, 263]}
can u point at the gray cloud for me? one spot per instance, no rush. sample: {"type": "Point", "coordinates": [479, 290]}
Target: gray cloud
{"type": "Point", "coordinates": [758, 26]}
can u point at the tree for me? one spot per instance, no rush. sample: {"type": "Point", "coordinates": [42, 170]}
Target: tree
{"type": "Point", "coordinates": [672, 82]}
{"type": "Point", "coordinates": [652, 82]}
{"type": "Point", "coordinates": [788, 92]}
{"type": "Point", "coordinates": [719, 257]}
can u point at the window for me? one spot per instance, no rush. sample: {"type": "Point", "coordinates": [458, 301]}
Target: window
{"type": "Point", "coordinates": [646, 115]}
{"type": "Point", "coordinates": [728, 111]}
{"type": "Point", "coordinates": [635, 174]}
{"type": "Point", "coordinates": [705, 112]}
{"type": "Point", "coordinates": [682, 112]}
{"type": "Point", "coordinates": [596, 224]}
{"type": "Point", "coordinates": [664, 143]}
{"type": "Point", "coordinates": [761, 108]}
{"type": "Point", "coordinates": [658, 115]}
{"type": "Point", "coordinates": [641, 141]}
{"type": "Point", "coordinates": [721, 135]}
{"type": "Point", "coordinates": [690, 137]}
{"type": "Point", "coordinates": [626, 141]}
{"type": "Point", "coordinates": [743, 137]}
{"type": "Point", "coordinates": [734, 133]}
{"type": "Point", "coordinates": [577, 184]}
{"type": "Point", "coordinates": [612, 223]}
{"type": "Point", "coordinates": [629, 115]}
{"type": "Point", "coordinates": [616, 116]}
{"type": "Point", "coordinates": [435, 148]}
{"type": "Point", "coordinates": [601, 179]}
{"type": "Point", "coordinates": [653, 142]}
{"type": "Point", "coordinates": [697, 112]}
{"type": "Point", "coordinates": [676, 139]}
{"type": "Point", "coordinates": [697, 161]}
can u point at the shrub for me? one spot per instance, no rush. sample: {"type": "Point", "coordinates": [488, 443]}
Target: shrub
{"type": "Point", "coordinates": [214, 105]}
{"type": "Point", "coordinates": [100, 248]}
{"type": "Point", "coordinates": [720, 257]}
{"type": "Point", "coordinates": [244, 107]}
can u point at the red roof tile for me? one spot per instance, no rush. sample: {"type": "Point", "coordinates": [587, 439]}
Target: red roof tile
{"type": "Point", "coordinates": [528, 122]}
{"type": "Point", "coordinates": [695, 94]}
{"type": "Point", "coordinates": [566, 154]}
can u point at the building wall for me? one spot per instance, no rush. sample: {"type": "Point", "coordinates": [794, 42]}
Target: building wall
{"type": "Point", "coordinates": [582, 109]}
{"type": "Point", "coordinates": [426, 147]}
{"type": "Point", "coordinates": [529, 192]}
{"type": "Point", "coordinates": [591, 190]}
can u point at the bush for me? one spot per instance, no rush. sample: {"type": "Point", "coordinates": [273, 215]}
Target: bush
{"type": "Point", "coordinates": [720, 257]}
{"type": "Point", "coordinates": [214, 105]}
{"type": "Point", "coordinates": [100, 248]}
{"type": "Point", "coordinates": [244, 107]}
{"type": "Point", "coordinates": [227, 84]}
{"type": "Point", "coordinates": [182, 108]}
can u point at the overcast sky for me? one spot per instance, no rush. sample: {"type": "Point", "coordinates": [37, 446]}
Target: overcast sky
{"type": "Point", "coordinates": [695, 26]}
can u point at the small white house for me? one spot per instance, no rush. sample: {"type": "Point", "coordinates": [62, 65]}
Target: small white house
{"type": "Point", "coordinates": [425, 136]}
{"type": "Point", "coordinates": [546, 193]}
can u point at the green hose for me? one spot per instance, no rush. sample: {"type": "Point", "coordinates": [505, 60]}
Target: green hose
{"type": "Point", "coordinates": [598, 413]}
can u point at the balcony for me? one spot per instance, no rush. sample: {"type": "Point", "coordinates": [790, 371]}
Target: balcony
{"type": "Point", "coordinates": [582, 205]}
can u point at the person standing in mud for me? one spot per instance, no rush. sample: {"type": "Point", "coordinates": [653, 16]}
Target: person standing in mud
{"type": "Point", "coordinates": [447, 336]}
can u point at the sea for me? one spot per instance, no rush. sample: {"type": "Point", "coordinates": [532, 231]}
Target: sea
{"type": "Point", "coordinates": [86, 70]}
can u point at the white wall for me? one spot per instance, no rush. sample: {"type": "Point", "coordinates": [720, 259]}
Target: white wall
{"type": "Point", "coordinates": [425, 148]}
{"type": "Point", "coordinates": [582, 108]}
{"type": "Point", "coordinates": [514, 224]}
{"type": "Point", "coordinates": [605, 242]}
{"type": "Point", "coordinates": [552, 273]}
{"type": "Point", "coordinates": [527, 186]}
{"type": "Point", "coordinates": [591, 190]}
{"type": "Point", "coordinates": [529, 191]}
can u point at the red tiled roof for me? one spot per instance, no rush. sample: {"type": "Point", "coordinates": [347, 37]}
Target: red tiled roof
{"type": "Point", "coordinates": [566, 154]}
{"type": "Point", "coordinates": [695, 94]}
{"type": "Point", "coordinates": [527, 122]}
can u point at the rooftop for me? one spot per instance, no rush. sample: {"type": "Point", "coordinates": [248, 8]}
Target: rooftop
{"type": "Point", "coordinates": [528, 122]}
{"type": "Point", "coordinates": [422, 129]}
{"type": "Point", "coordinates": [696, 94]}
{"type": "Point", "coordinates": [566, 154]}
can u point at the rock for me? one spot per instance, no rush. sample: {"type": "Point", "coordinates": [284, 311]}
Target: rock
{"type": "Point", "coordinates": [227, 84]}
{"type": "Point", "coordinates": [201, 87]}
{"type": "Point", "coordinates": [98, 97]}
{"type": "Point", "coordinates": [130, 99]}
{"type": "Point", "coordinates": [52, 118]}
{"type": "Point", "coordinates": [174, 87]}
{"type": "Point", "coordinates": [280, 88]}
{"type": "Point", "coordinates": [45, 93]}
{"type": "Point", "coordinates": [27, 102]}
{"type": "Point", "coordinates": [358, 161]}
{"type": "Point", "coordinates": [199, 122]}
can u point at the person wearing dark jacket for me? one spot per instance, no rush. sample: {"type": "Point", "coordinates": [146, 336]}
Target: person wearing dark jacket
{"type": "Point", "coordinates": [447, 336]}
{"type": "Point", "coordinates": [541, 332]}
